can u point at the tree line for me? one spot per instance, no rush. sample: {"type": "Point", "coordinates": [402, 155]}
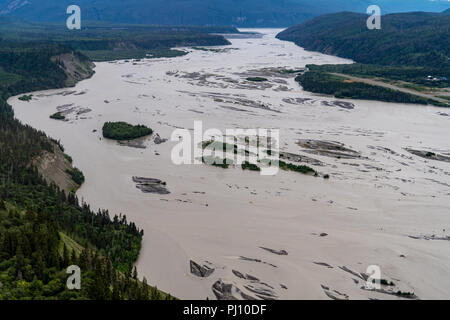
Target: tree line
{"type": "Point", "coordinates": [37, 218]}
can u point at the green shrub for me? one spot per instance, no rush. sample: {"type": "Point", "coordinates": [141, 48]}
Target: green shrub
{"type": "Point", "coordinates": [217, 162]}
{"type": "Point", "coordinates": [405, 294]}
{"type": "Point", "coordinates": [76, 175]}
{"type": "Point", "coordinates": [250, 166]}
{"type": "Point", "coordinates": [26, 97]}
{"type": "Point", "coordinates": [384, 282]}
{"type": "Point", "coordinates": [57, 116]}
{"type": "Point", "coordinates": [292, 167]}
{"type": "Point", "coordinates": [68, 158]}
{"type": "Point", "coordinates": [257, 79]}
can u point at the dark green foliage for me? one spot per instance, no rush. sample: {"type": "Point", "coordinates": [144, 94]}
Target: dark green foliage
{"type": "Point", "coordinates": [102, 42]}
{"type": "Point", "coordinates": [217, 162]}
{"type": "Point", "coordinates": [26, 97]}
{"type": "Point", "coordinates": [405, 294]}
{"type": "Point", "coordinates": [385, 282]}
{"type": "Point", "coordinates": [32, 64]}
{"type": "Point", "coordinates": [108, 55]}
{"type": "Point", "coordinates": [33, 266]}
{"type": "Point", "coordinates": [250, 166]}
{"type": "Point", "coordinates": [409, 47]}
{"type": "Point", "coordinates": [292, 167]}
{"type": "Point", "coordinates": [57, 116]}
{"type": "Point", "coordinates": [76, 175]}
{"type": "Point", "coordinates": [291, 71]}
{"type": "Point", "coordinates": [406, 39]}
{"type": "Point", "coordinates": [414, 74]}
{"type": "Point", "coordinates": [321, 82]}
{"type": "Point", "coordinates": [36, 213]}
{"type": "Point", "coordinates": [256, 79]}
{"type": "Point", "coordinates": [125, 131]}
{"type": "Point", "coordinates": [68, 158]}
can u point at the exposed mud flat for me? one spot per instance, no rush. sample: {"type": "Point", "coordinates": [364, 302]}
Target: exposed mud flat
{"type": "Point", "coordinates": [143, 142]}
{"type": "Point", "coordinates": [202, 271]}
{"type": "Point", "coordinates": [139, 143]}
{"type": "Point", "coordinates": [308, 101]}
{"type": "Point", "coordinates": [329, 149]}
{"type": "Point", "coordinates": [73, 112]}
{"type": "Point", "coordinates": [377, 197]}
{"type": "Point", "coordinates": [300, 158]}
{"type": "Point", "coordinates": [150, 185]}
{"type": "Point", "coordinates": [429, 155]}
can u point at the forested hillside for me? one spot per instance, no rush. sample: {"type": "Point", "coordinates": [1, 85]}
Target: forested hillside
{"type": "Point", "coordinates": [241, 13]}
{"type": "Point", "coordinates": [101, 41]}
{"type": "Point", "coordinates": [44, 229]}
{"type": "Point", "coordinates": [318, 80]}
{"type": "Point", "coordinates": [412, 50]}
{"type": "Point", "coordinates": [408, 39]}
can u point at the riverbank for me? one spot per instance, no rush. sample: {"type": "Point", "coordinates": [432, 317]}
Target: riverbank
{"type": "Point", "coordinates": [368, 211]}
{"type": "Point", "coordinates": [38, 193]}
{"type": "Point", "coordinates": [344, 86]}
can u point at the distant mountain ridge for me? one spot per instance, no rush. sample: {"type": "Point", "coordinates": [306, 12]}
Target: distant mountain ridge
{"type": "Point", "coordinates": [240, 13]}
{"type": "Point", "coordinates": [407, 39]}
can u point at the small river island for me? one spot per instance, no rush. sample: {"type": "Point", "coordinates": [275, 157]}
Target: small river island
{"type": "Point", "coordinates": [122, 131]}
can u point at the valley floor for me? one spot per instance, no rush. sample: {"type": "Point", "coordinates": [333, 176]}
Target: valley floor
{"type": "Point", "coordinates": [375, 82]}
{"type": "Point", "coordinates": [289, 236]}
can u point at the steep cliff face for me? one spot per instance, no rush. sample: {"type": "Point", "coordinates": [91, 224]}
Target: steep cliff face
{"type": "Point", "coordinates": [75, 66]}
{"type": "Point", "coordinates": [55, 167]}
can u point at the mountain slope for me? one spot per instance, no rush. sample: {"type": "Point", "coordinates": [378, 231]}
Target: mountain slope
{"type": "Point", "coordinates": [44, 229]}
{"type": "Point", "coordinates": [414, 39]}
{"type": "Point", "coordinates": [101, 41]}
{"type": "Point", "coordinates": [242, 13]}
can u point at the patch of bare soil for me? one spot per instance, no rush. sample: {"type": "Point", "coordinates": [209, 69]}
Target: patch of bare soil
{"type": "Point", "coordinates": [331, 149]}
{"type": "Point", "coordinates": [53, 167]}
{"type": "Point", "coordinates": [75, 68]}
{"type": "Point", "coordinates": [428, 155]}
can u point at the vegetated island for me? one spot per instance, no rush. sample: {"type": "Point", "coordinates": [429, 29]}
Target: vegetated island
{"type": "Point", "coordinates": [26, 97]}
{"type": "Point", "coordinates": [58, 116]}
{"type": "Point", "coordinates": [257, 79]}
{"type": "Point", "coordinates": [407, 60]}
{"type": "Point", "coordinates": [43, 226]}
{"type": "Point", "coordinates": [124, 131]}
{"type": "Point", "coordinates": [246, 165]}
